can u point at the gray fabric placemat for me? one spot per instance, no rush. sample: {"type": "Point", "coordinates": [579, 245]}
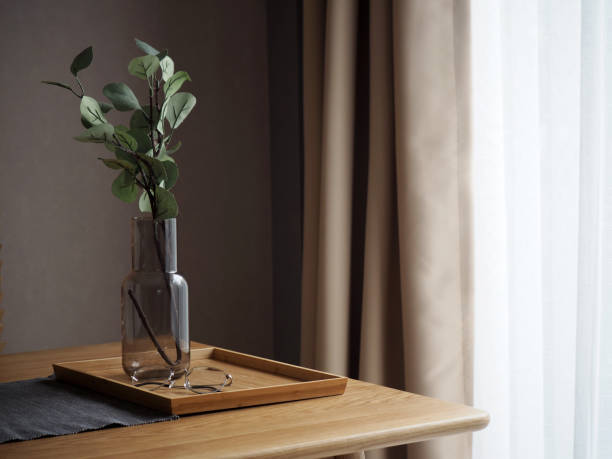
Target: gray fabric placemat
{"type": "Point", "coordinates": [45, 407]}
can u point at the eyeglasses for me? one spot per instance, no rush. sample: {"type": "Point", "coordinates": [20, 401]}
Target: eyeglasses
{"type": "Point", "coordinates": [199, 380]}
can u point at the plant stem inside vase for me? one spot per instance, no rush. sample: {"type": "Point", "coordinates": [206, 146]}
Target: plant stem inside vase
{"type": "Point", "coordinates": [159, 310]}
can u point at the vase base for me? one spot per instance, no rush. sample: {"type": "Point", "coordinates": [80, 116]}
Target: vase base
{"type": "Point", "coordinates": [155, 374]}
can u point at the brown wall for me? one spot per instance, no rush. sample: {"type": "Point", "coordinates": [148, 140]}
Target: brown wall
{"type": "Point", "coordinates": [66, 238]}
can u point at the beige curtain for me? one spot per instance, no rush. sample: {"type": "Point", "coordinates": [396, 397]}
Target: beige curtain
{"type": "Point", "coordinates": [386, 288]}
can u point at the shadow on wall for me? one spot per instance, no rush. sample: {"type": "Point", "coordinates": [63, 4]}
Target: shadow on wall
{"type": "Point", "coordinates": [66, 238]}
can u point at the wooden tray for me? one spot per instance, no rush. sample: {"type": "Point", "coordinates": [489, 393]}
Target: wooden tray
{"type": "Point", "coordinates": [256, 381]}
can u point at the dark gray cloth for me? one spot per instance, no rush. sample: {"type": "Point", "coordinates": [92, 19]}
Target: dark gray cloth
{"type": "Point", "coordinates": [44, 407]}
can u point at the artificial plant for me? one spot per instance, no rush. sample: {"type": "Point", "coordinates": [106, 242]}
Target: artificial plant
{"type": "Point", "coordinates": [143, 150]}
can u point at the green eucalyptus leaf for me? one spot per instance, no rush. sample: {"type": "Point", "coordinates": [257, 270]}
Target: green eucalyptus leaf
{"type": "Point", "coordinates": [91, 111]}
{"type": "Point", "coordinates": [111, 163]}
{"type": "Point", "coordinates": [175, 82]}
{"type": "Point", "coordinates": [143, 67]}
{"type": "Point", "coordinates": [125, 156]}
{"type": "Point", "coordinates": [143, 203]}
{"type": "Point", "coordinates": [160, 123]}
{"type": "Point", "coordinates": [158, 169]}
{"type": "Point", "coordinates": [82, 61]}
{"type": "Point", "coordinates": [158, 119]}
{"type": "Point", "coordinates": [171, 173]}
{"type": "Point", "coordinates": [55, 83]}
{"type": "Point", "coordinates": [163, 157]}
{"type": "Point", "coordinates": [167, 66]}
{"type": "Point", "coordinates": [125, 187]}
{"type": "Point", "coordinates": [105, 107]}
{"type": "Point", "coordinates": [142, 138]}
{"type": "Point", "coordinates": [86, 124]}
{"type": "Point", "coordinates": [166, 204]}
{"type": "Point", "coordinates": [139, 119]}
{"type": "Point", "coordinates": [163, 154]}
{"type": "Point", "coordinates": [125, 139]}
{"type": "Point", "coordinates": [145, 47]}
{"type": "Point", "coordinates": [127, 165]}
{"type": "Point", "coordinates": [156, 166]}
{"type": "Point", "coordinates": [174, 149]}
{"type": "Point", "coordinates": [99, 133]}
{"type": "Point", "coordinates": [177, 107]}
{"type": "Point", "coordinates": [118, 164]}
{"type": "Point", "coordinates": [150, 50]}
{"type": "Point", "coordinates": [122, 97]}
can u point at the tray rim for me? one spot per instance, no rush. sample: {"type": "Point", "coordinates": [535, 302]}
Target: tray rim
{"type": "Point", "coordinates": [324, 384]}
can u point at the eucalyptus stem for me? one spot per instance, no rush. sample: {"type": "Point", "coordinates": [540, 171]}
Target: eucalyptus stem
{"type": "Point", "coordinates": [160, 257]}
{"type": "Point", "coordinates": [80, 86]}
{"type": "Point", "coordinates": [152, 135]}
{"type": "Point", "coordinates": [162, 264]}
{"type": "Point", "coordinates": [148, 180]}
{"type": "Point", "coordinates": [80, 96]}
{"type": "Point", "coordinates": [151, 333]}
{"type": "Point", "coordinates": [170, 136]}
{"type": "Point", "coordinates": [159, 136]}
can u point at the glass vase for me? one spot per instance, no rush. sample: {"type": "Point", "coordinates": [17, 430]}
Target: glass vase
{"type": "Point", "coordinates": [154, 305]}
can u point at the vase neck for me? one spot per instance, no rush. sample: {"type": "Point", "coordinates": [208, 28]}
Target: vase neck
{"type": "Point", "coordinates": [153, 244]}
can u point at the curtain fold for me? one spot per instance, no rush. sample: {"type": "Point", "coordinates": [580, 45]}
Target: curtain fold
{"type": "Point", "coordinates": [542, 219]}
{"type": "Point", "coordinates": [414, 302]}
{"type": "Point", "coordinates": [313, 57]}
{"type": "Point", "coordinates": [333, 294]}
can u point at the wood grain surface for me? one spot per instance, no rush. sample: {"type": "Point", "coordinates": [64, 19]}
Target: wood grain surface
{"type": "Point", "coordinates": [255, 381]}
{"type": "Point", "coordinates": [367, 416]}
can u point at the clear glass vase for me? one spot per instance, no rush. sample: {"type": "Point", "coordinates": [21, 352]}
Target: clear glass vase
{"type": "Point", "coordinates": [154, 307]}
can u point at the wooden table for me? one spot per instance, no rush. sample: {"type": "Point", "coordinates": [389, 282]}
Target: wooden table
{"type": "Point", "coordinates": [367, 416]}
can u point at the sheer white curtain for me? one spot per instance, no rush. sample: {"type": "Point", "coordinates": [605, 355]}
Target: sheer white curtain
{"type": "Point", "coordinates": [542, 104]}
